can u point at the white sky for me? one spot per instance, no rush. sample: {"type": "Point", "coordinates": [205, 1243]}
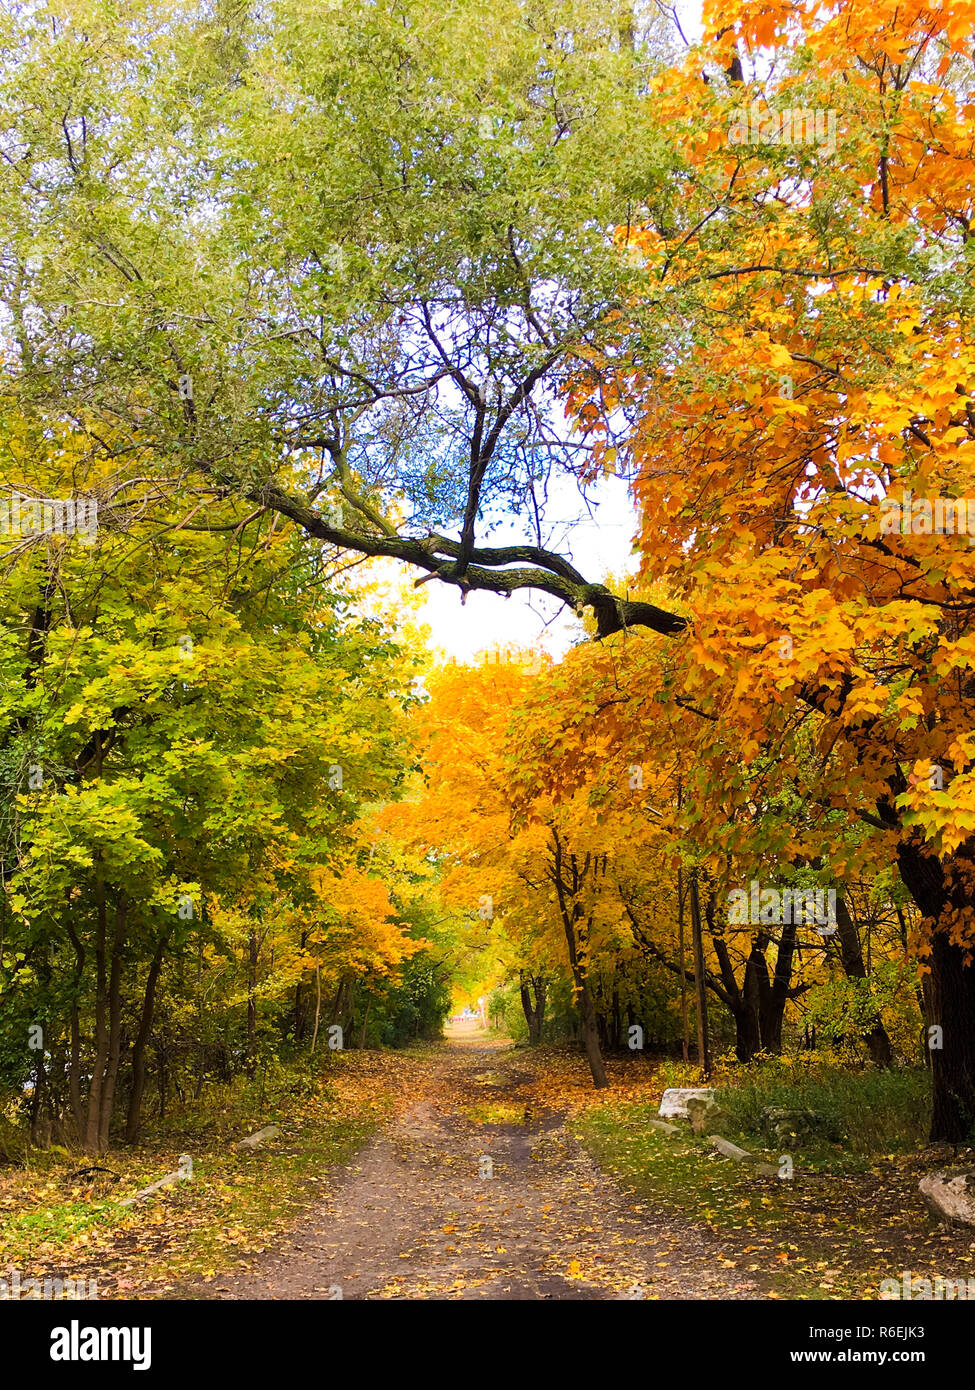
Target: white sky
{"type": "Point", "coordinates": [597, 545]}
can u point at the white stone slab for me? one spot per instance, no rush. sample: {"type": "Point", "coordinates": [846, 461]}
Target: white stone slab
{"type": "Point", "coordinates": [673, 1103]}
{"type": "Point", "coordinates": [252, 1140]}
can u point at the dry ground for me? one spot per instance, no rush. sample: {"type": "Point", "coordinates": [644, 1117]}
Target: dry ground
{"type": "Point", "coordinates": [416, 1216]}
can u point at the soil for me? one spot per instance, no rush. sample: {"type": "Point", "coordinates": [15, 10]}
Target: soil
{"type": "Point", "coordinates": [477, 1190]}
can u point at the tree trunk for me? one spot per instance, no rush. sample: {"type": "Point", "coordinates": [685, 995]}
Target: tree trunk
{"type": "Point", "coordinates": [777, 996]}
{"type": "Point", "coordinates": [748, 1035]}
{"type": "Point", "coordinates": [74, 1063]}
{"type": "Point", "coordinates": [318, 1004]}
{"type": "Point", "coordinates": [590, 1036]}
{"type": "Point", "coordinates": [252, 954]}
{"type": "Point", "coordinates": [953, 1064]}
{"type": "Point", "coordinates": [139, 1046]}
{"type": "Point", "coordinates": [703, 1055]}
{"type": "Point", "coordinates": [93, 1119]}
{"type": "Point", "coordinates": [114, 1026]}
{"type": "Point", "coordinates": [685, 1035]}
{"type": "Point", "coordinates": [529, 1011]}
{"type": "Point", "coordinates": [571, 911]}
{"type": "Point", "coordinates": [741, 1003]}
{"type": "Point", "coordinates": [950, 995]}
{"type": "Point", "coordinates": [338, 1003]}
{"type": "Point", "coordinates": [851, 958]}
{"type": "Point", "coordinates": [533, 1004]}
{"type": "Point", "coordinates": [37, 1137]}
{"type": "Point", "coordinates": [299, 1007]}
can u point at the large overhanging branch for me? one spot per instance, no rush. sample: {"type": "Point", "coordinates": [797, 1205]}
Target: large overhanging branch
{"type": "Point", "coordinates": [488, 567]}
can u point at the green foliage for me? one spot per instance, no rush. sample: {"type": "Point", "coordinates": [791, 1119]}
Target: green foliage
{"type": "Point", "coordinates": [414, 1009]}
{"type": "Point", "coordinates": [875, 1111]}
{"type": "Point", "coordinates": [208, 732]}
{"type": "Point", "coordinates": [841, 1009]}
{"type": "Point", "coordinates": [506, 1014]}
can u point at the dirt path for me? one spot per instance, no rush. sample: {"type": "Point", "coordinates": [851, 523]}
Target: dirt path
{"type": "Point", "coordinates": [477, 1191]}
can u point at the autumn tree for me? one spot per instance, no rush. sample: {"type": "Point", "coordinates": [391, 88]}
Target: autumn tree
{"type": "Point", "coordinates": [186, 747]}
{"type": "Point", "coordinates": [241, 247]}
{"type": "Point", "coordinates": [823, 295]}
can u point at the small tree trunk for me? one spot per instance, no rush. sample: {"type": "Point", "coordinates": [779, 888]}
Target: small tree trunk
{"type": "Point", "coordinates": [703, 1055]}
{"type": "Point", "coordinates": [93, 1119]}
{"type": "Point", "coordinates": [571, 911]}
{"type": "Point", "coordinates": [685, 1034]}
{"type": "Point", "coordinates": [851, 958]}
{"type": "Point", "coordinates": [74, 1063]}
{"type": "Point", "coordinates": [539, 991]}
{"type": "Point", "coordinates": [299, 1009]}
{"type": "Point", "coordinates": [533, 1012]}
{"type": "Point", "coordinates": [37, 1100]}
{"type": "Point", "coordinates": [318, 1004]}
{"type": "Point", "coordinates": [252, 954]}
{"type": "Point", "coordinates": [139, 1047]}
{"type": "Point", "coordinates": [590, 1037]}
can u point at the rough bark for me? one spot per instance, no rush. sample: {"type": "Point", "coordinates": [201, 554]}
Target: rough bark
{"type": "Point", "coordinates": [252, 955]}
{"type": "Point", "coordinates": [950, 995]}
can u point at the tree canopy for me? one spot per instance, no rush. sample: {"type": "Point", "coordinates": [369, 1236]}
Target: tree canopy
{"type": "Point", "coordinates": [289, 288]}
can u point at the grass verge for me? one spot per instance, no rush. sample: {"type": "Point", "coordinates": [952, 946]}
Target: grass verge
{"type": "Point", "coordinates": [850, 1216]}
{"type": "Point", "coordinates": [58, 1221]}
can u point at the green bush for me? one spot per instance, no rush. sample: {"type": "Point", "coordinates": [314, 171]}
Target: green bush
{"type": "Point", "coordinates": [505, 1013]}
{"type": "Point", "coordinates": [14, 1142]}
{"type": "Point", "coordinates": [875, 1111]}
{"type": "Point", "coordinates": [415, 1008]}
